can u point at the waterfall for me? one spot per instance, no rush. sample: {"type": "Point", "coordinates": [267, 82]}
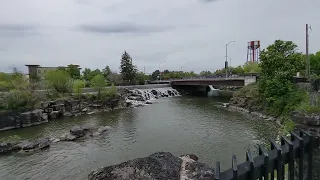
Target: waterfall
{"type": "Point", "coordinates": [213, 91]}
{"type": "Point", "coordinates": [141, 97]}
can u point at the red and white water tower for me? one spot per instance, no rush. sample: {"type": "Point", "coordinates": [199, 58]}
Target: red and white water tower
{"type": "Point", "coordinates": [253, 51]}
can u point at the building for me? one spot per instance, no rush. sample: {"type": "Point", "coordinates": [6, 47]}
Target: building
{"type": "Point", "coordinates": [41, 71]}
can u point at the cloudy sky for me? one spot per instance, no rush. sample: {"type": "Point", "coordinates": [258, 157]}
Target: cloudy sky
{"type": "Point", "coordinates": [185, 33]}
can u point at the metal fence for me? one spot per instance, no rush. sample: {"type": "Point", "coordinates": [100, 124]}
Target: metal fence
{"type": "Point", "coordinates": [270, 165]}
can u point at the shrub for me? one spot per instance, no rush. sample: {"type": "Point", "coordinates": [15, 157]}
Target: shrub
{"type": "Point", "coordinates": [58, 81]}
{"type": "Point", "coordinates": [98, 83]}
{"type": "Point", "coordinates": [77, 87]}
{"type": "Point", "coordinates": [21, 100]}
{"type": "Point", "coordinates": [112, 91]}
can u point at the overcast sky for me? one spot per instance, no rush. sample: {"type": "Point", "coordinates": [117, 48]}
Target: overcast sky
{"type": "Point", "coordinates": [185, 33]}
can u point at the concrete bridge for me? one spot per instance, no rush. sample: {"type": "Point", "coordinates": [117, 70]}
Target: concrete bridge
{"type": "Point", "coordinates": [203, 86]}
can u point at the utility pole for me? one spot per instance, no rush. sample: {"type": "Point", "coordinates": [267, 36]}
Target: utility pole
{"type": "Point", "coordinates": [226, 63]}
{"type": "Point", "coordinates": [144, 70]}
{"type": "Point", "coordinates": [307, 53]}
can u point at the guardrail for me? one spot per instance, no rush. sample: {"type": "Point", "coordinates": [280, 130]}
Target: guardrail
{"type": "Point", "coordinates": [267, 163]}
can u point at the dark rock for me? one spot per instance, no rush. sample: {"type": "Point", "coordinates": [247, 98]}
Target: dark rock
{"type": "Point", "coordinates": [102, 129]}
{"type": "Point", "coordinates": [77, 131]}
{"type": "Point", "coordinates": [148, 102]}
{"type": "Point", "coordinates": [37, 144]}
{"type": "Point", "coordinates": [95, 106]}
{"type": "Point", "coordinates": [67, 137]}
{"type": "Point", "coordinates": [45, 104]}
{"type": "Point", "coordinates": [154, 92]}
{"type": "Point", "coordinates": [44, 117]}
{"type": "Point", "coordinates": [199, 171]}
{"type": "Point", "coordinates": [54, 114]}
{"type": "Point", "coordinates": [305, 118]}
{"type": "Point", "coordinates": [162, 165]}
{"type": "Point", "coordinates": [5, 147]}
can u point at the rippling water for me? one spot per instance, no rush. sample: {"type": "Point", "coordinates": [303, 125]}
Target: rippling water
{"type": "Point", "coordinates": [179, 125]}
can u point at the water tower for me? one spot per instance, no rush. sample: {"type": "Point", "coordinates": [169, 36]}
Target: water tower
{"type": "Point", "coordinates": [253, 51]}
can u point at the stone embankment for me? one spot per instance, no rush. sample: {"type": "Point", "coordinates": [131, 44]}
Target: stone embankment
{"type": "Point", "coordinates": [55, 109]}
{"type": "Point", "coordinates": [75, 133]}
{"type": "Point", "coordinates": [50, 110]}
{"type": "Point", "coordinates": [161, 165]}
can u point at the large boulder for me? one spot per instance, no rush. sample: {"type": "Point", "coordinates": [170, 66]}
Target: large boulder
{"type": "Point", "coordinates": [162, 165]}
{"type": "Point", "coordinates": [5, 147]}
{"type": "Point", "coordinates": [36, 144]}
{"type": "Point", "coordinates": [77, 131]}
{"type": "Point", "coordinates": [67, 137]}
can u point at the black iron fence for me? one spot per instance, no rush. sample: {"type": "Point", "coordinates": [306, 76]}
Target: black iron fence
{"type": "Point", "coordinates": [268, 165]}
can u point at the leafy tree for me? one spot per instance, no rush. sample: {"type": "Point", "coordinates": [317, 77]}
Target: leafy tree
{"type": "Point", "coordinates": [106, 73]}
{"type": "Point", "coordinates": [86, 74]}
{"type": "Point", "coordinates": [98, 83]}
{"type": "Point", "coordinates": [205, 73]}
{"type": "Point", "coordinates": [141, 78]}
{"type": "Point", "coordinates": [115, 78]}
{"type": "Point", "coordinates": [279, 63]}
{"type": "Point", "coordinates": [155, 75]}
{"type": "Point", "coordinates": [77, 87]}
{"type": "Point", "coordinates": [73, 71]}
{"type": "Point", "coordinates": [251, 67]}
{"type": "Point", "coordinates": [127, 69]}
{"type": "Point", "coordinates": [314, 63]}
{"type": "Point", "coordinates": [58, 81]}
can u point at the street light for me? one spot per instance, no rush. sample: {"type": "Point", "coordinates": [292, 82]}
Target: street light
{"type": "Point", "coordinates": [227, 56]}
{"type": "Point", "coordinates": [160, 71]}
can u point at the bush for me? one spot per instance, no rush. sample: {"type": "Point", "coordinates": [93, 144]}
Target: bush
{"type": "Point", "coordinates": [77, 87]}
{"type": "Point", "coordinates": [58, 81]}
{"type": "Point", "coordinates": [98, 83]}
{"type": "Point", "coordinates": [21, 100]}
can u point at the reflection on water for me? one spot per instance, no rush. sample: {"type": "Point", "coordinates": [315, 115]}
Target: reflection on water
{"type": "Point", "coordinates": [179, 125]}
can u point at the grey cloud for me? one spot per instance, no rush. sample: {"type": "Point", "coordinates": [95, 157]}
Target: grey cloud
{"type": "Point", "coordinates": [123, 28]}
{"type": "Point", "coordinates": [18, 30]}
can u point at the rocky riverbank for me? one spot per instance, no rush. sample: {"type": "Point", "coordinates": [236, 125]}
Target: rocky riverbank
{"type": "Point", "coordinates": [87, 104]}
{"type": "Point", "coordinates": [74, 134]}
{"type": "Point", "coordinates": [161, 165]}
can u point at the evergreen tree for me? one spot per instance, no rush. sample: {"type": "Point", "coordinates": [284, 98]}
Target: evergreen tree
{"type": "Point", "coordinates": [127, 69]}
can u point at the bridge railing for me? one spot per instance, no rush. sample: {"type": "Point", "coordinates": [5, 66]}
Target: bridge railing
{"type": "Point", "coordinates": [271, 164]}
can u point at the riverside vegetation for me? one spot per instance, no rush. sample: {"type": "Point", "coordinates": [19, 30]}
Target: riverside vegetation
{"type": "Point", "coordinates": [275, 93]}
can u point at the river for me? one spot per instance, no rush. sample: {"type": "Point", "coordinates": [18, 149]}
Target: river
{"type": "Point", "coordinates": [178, 125]}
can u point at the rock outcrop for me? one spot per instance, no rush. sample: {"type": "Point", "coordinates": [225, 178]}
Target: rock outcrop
{"type": "Point", "coordinates": [50, 110]}
{"type": "Point", "coordinates": [161, 165]}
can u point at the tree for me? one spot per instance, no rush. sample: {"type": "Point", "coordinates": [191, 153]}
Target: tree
{"type": "Point", "coordinates": [86, 74]}
{"type": "Point", "coordinates": [279, 63]}
{"type": "Point", "coordinates": [127, 69]}
{"type": "Point", "coordinates": [115, 78]}
{"type": "Point", "coordinates": [106, 73]}
{"type": "Point", "coordinates": [251, 67]}
{"type": "Point", "coordinates": [141, 78]}
{"type": "Point", "coordinates": [77, 87]}
{"type": "Point", "coordinates": [98, 83]}
{"type": "Point", "coordinates": [73, 71]}
{"type": "Point", "coordinates": [58, 81]}
{"type": "Point", "coordinates": [155, 75]}
{"type": "Point", "coordinates": [205, 73]}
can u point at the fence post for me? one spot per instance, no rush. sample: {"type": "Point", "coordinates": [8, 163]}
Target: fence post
{"type": "Point", "coordinates": [310, 153]}
{"type": "Point", "coordinates": [250, 159]}
{"type": "Point", "coordinates": [217, 171]}
{"type": "Point", "coordinates": [263, 151]}
{"type": "Point", "coordinates": [291, 157]}
{"type": "Point", "coordinates": [294, 136]}
{"type": "Point", "coordinates": [234, 167]}
{"type": "Point", "coordinates": [279, 160]}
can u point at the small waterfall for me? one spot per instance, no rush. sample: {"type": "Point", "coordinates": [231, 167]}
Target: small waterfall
{"type": "Point", "coordinates": [141, 97]}
{"type": "Point", "coordinates": [213, 91]}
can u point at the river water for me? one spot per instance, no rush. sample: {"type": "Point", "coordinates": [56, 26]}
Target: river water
{"type": "Point", "coordinates": [178, 125]}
